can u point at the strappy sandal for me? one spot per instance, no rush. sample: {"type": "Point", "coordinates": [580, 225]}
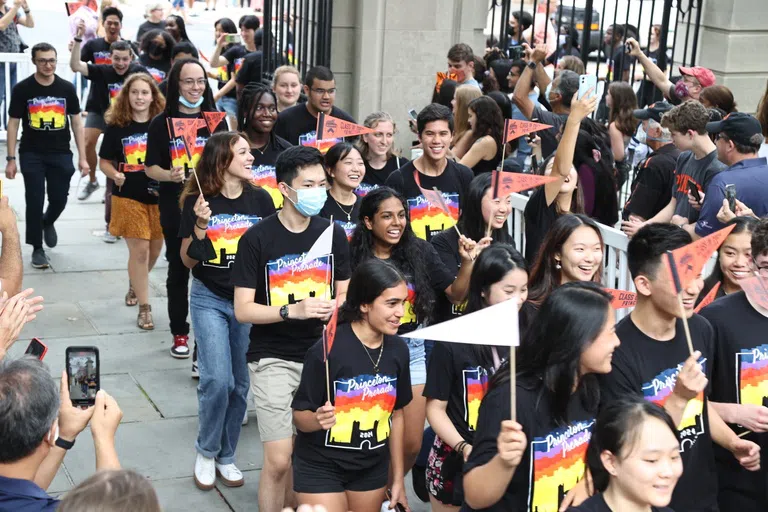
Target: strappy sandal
{"type": "Point", "coordinates": [130, 297]}
{"type": "Point", "coordinates": [144, 320]}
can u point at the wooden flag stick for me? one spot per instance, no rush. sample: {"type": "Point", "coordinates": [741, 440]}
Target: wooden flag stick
{"type": "Point", "coordinates": [328, 273]}
{"type": "Point", "coordinates": [679, 291]}
{"type": "Point", "coordinates": [512, 384]}
{"type": "Point", "coordinates": [327, 368]}
{"type": "Point", "coordinates": [198, 182]}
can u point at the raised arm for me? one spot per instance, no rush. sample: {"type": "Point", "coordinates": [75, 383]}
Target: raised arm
{"type": "Point", "coordinates": [521, 92]}
{"type": "Point", "coordinates": [75, 63]}
{"type": "Point", "coordinates": [9, 16]}
{"type": "Point", "coordinates": [27, 20]}
{"type": "Point", "coordinates": [216, 59]}
{"type": "Point", "coordinates": [11, 266]}
{"type": "Point", "coordinates": [657, 76]}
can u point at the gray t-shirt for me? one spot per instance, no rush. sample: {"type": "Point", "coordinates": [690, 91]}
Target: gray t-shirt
{"type": "Point", "coordinates": [698, 172]}
{"type": "Point", "coordinates": [550, 137]}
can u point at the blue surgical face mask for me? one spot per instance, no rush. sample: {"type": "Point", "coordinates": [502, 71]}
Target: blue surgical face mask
{"type": "Point", "coordinates": [309, 201]}
{"type": "Point", "coordinates": [184, 101]}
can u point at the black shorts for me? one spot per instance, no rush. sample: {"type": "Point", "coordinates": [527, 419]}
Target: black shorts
{"type": "Point", "coordinates": [312, 477]}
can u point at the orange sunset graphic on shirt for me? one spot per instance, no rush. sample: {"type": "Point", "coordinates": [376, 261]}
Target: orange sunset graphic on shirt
{"type": "Point", "coordinates": [102, 58]}
{"type": "Point", "coordinates": [157, 74]}
{"type": "Point", "coordinates": [409, 314]}
{"type": "Point", "coordinates": [179, 153]}
{"type": "Point", "coordinates": [428, 220]}
{"type": "Point", "coordinates": [114, 90]}
{"type": "Point", "coordinates": [364, 406]}
{"type": "Point", "coordinates": [475, 387]}
{"type": "Point", "coordinates": [224, 231]}
{"type": "Point", "coordinates": [290, 279]}
{"type": "Point", "coordinates": [752, 375]}
{"type": "Point", "coordinates": [264, 176]}
{"type": "Point", "coordinates": [47, 113]}
{"type": "Point", "coordinates": [238, 65]}
{"type": "Point", "coordinates": [310, 139]}
{"type": "Point", "coordinates": [558, 461]}
{"type": "Point", "coordinates": [135, 148]}
{"type": "Point", "coordinates": [658, 391]}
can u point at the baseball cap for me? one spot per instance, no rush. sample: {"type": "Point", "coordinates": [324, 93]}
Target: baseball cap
{"type": "Point", "coordinates": [739, 127]}
{"type": "Point", "coordinates": [703, 75]}
{"type": "Point", "coordinates": [653, 111]}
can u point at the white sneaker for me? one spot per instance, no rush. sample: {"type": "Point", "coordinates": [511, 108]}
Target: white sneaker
{"type": "Point", "coordinates": [245, 418]}
{"type": "Point", "coordinates": [205, 472]}
{"type": "Point", "coordinates": [229, 475]}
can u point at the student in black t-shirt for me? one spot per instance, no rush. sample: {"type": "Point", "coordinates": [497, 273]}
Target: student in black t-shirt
{"type": "Point", "coordinates": [633, 457]}
{"type": "Point", "coordinates": [347, 443]}
{"type": "Point", "coordinates": [168, 163]}
{"type": "Point", "coordinates": [156, 53]}
{"type": "Point", "coordinates": [457, 375]}
{"type": "Point", "coordinates": [480, 209]}
{"type": "Point", "coordinates": [385, 233]}
{"type": "Point", "coordinates": [739, 382]}
{"type": "Point", "coordinates": [432, 169]}
{"type": "Point", "coordinates": [137, 217]}
{"type": "Point", "coordinates": [212, 224]}
{"type": "Point", "coordinates": [377, 150]}
{"type": "Point", "coordinates": [180, 51]}
{"type": "Point", "coordinates": [298, 124]}
{"type": "Point", "coordinates": [345, 170]}
{"type": "Point", "coordinates": [565, 195]}
{"type": "Point", "coordinates": [572, 251]}
{"type": "Point", "coordinates": [286, 298]}
{"type": "Point", "coordinates": [106, 81]}
{"type": "Point", "coordinates": [222, 26]}
{"type": "Point", "coordinates": [654, 362]}
{"type": "Point", "coordinates": [45, 105]}
{"type": "Point", "coordinates": [96, 50]}
{"type": "Point", "coordinates": [256, 116]}
{"type": "Point", "coordinates": [531, 463]}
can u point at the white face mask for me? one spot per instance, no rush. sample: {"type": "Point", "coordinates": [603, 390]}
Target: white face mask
{"type": "Point", "coordinates": [641, 135]}
{"type": "Point", "coordinates": [562, 39]}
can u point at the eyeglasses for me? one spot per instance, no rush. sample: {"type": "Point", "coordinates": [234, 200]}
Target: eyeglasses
{"type": "Point", "coordinates": [722, 136]}
{"type": "Point", "coordinates": [323, 92]}
{"type": "Point", "coordinates": [763, 271]}
{"type": "Point", "coordinates": [189, 82]}
{"type": "Point", "coordinates": [46, 62]}
{"type": "Point", "coordinates": [260, 109]}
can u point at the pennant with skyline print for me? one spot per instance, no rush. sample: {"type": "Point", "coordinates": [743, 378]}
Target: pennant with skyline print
{"type": "Point", "coordinates": [690, 259]}
{"type": "Point", "coordinates": [514, 128]}
{"type": "Point", "coordinates": [332, 127]}
{"type": "Point", "coordinates": [213, 120]}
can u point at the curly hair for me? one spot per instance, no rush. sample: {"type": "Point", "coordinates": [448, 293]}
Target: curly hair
{"type": "Point", "coordinates": [689, 115]}
{"type": "Point", "coordinates": [120, 112]}
{"type": "Point", "coordinates": [624, 104]}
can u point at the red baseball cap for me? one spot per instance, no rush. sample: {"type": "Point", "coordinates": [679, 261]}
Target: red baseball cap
{"type": "Point", "coordinates": [703, 75]}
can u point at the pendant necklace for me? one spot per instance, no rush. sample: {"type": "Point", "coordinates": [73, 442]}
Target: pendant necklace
{"type": "Point", "coordinates": [348, 214]}
{"type": "Point", "coordinates": [378, 359]}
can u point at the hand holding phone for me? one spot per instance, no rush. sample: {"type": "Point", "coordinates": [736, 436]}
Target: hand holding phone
{"type": "Point", "coordinates": [587, 82]}
{"type": "Point", "coordinates": [413, 114]}
{"type": "Point", "coordinates": [730, 195]}
{"type": "Point", "coordinates": [83, 374]}
{"type": "Point", "coordinates": [694, 191]}
{"type": "Point", "coordinates": [232, 38]}
{"type": "Point", "coordinates": [36, 348]}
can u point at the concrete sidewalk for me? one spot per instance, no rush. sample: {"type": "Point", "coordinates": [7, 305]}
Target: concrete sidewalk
{"type": "Point", "coordinates": [84, 291]}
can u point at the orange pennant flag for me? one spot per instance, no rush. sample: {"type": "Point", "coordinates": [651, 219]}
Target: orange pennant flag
{"type": "Point", "coordinates": [213, 119]}
{"type": "Point", "coordinates": [434, 196]}
{"type": "Point", "coordinates": [622, 299]}
{"type": "Point", "coordinates": [329, 127]}
{"type": "Point", "coordinates": [186, 128]}
{"type": "Point", "coordinates": [708, 298]}
{"type": "Point", "coordinates": [504, 183]}
{"type": "Point", "coordinates": [690, 259]}
{"type": "Point", "coordinates": [754, 288]}
{"type": "Point", "coordinates": [329, 334]}
{"type": "Point", "coordinates": [515, 128]}
{"type": "Point", "coordinates": [126, 168]}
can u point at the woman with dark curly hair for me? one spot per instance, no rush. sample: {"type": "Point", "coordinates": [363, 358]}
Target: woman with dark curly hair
{"type": "Point", "coordinates": [483, 144]}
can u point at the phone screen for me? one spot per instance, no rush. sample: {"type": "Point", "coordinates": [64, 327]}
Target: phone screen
{"type": "Point", "coordinates": [730, 195]}
{"type": "Point", "coordinates": [516, 52]}
{"type": "Point", "coordinates": [36, 348]}
{"type": "Point", "coordinates": [83, 374]}
{"type": "Point", "coordinates": [694, 191]}
{"type": "Point", "coordinates": [413, 113]}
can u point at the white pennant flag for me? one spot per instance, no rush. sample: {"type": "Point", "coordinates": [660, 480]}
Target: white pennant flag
{"type": "Point", "coordinates": [495, 325]}
{"type": "Point", "coordinates": [322, 246]}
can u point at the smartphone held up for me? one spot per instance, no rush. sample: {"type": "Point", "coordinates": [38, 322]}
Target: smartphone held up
{"type": "Point", "coordinates": [36, 348]}
{"type": "Point", "coordinates": [83, 374]}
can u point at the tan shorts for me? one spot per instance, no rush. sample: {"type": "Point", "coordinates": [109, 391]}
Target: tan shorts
{"type": "Point", "coordinates": [133, 219]}
{"type": "Point", "coordinates": [273, 384]}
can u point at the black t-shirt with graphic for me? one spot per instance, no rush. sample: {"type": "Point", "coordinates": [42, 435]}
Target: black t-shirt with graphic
{"type": "Point", "coordinates": [428, 220]}
{"type": "Point", "coordinates": [270, 261]}
{"type": "Point", "coordinates": [168, 153]}
{"type": "Point", "coordinates": [235, 56]}
{"type": "Point", "coordinates": [263, 167]}
{"type": "Point", "coordinates": [740, 376]}
{"type": "Point", "coordinates": [128, 145]}
{"type": "Point", "coordinates": [230, 219]}
{"type": "Point", "coordinates": [556, 452]}
{"type": "Point", "coordinates": [597, 504]}
{"type": "Point", "coordinates": [43, 111]}
{"type": "Point", "coordinates": [363, 400]}
{"type": "Point", "coordinates": [458, 373]}
{"type": "Point", "coordinates": [375, 178]}
{"type": "Point", "coordinates": [106, 85]}
{"type": "Point", "coordinates": [539, 218]}
{"type": "Point", "coordinates": [344, 215]}
{"type": "Point", "coordinates": [299, 127]}
{"type": "Point", "coordinates": [250, 70]}
{"type": "Point", "coordinates": [643, 366]}
{"type": "Point", "coordinates": [96, 51]}
{"type": "Point", "coordinates": [700, 172]}
{"type": "Point", "coordinates": [446, 243]}
{"type": "Point", "coordinates": [158, 69]}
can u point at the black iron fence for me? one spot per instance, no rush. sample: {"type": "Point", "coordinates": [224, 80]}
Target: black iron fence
{"type": "Point", "coordinates": [296, 32]}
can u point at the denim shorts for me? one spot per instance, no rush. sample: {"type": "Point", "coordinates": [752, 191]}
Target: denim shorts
{"type": "Point", "coordinates": [418, 364]}
{"type": "Point", "coordinates": [227, 104]}
{"type": "Point", "coordinates": [94, 120]}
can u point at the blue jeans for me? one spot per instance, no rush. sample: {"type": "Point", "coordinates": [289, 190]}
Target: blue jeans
{"type": "Point", "coordinates": [222, 342]}
{"type": "Point", "coordinates": [12, 73]}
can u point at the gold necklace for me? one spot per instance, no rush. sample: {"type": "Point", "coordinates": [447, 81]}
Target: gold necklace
{"type": "Point", "coordinates": [378, 360]}
{"type": "Point", "coordinates": [348, 214]}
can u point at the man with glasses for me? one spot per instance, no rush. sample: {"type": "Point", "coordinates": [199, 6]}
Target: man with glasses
{"type": "Point", "coordinates": [739, 384]}
{"type": "Point", "coordinates": [46, 105]}
{"type": "Point", "coordinates": [298, 124]}
{"type": "Point", "coordinates": [738, 142]}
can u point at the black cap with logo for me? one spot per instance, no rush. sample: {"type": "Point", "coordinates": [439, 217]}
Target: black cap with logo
{"type": "Point", "coordinates": [739, 127]}
{"type": "Point", "coordinates": [653, 111]}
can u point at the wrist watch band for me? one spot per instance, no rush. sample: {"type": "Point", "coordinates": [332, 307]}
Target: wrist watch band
{"type": "Point", "coordinates": [532, 65]}
{"type": "Point", "coordinates": [284, 312]}
{"type": "Point", "coordinates": [9, 158]}
{"type": "Point", "coordinates": [61, 443]}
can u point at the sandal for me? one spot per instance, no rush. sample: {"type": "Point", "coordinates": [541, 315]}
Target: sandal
{"type": "Point", "coordinates": [144, 320]}
{"type": "Point", "coordinates": [130, 297]}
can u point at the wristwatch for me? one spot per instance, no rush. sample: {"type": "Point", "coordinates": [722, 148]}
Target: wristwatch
{"type": "Point", "coordinates": [532, 65]}
{"type": "Point", "coordinates": [9, 158]}
{"type": "Point", "coordinates": [61, 443]}
{"type": "Point", "coordinates": [284, 311]}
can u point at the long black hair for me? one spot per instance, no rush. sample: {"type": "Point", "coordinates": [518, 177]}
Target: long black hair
{"type": "Point", "coordinates": [182, 27]}
{"type": "Point", "coordinates": [336, 154]}
{"type": "Point", "coordinates": [408, 255]}
{"type": "Point", "coordinates": [368, 281]}
{"type": "Point", "coordinates": [246, 107]}
{"type": "Point", "coordinates": [569, 321]}
{"type": "Point", "coordinates": [593, 150]}
{"type": "Point", "coordinates": [471, 222]}
{"type": "Point", "coordinates": [227, 27]}
{"type": "Point", "coordinates": [174, 82]}
{"type": "Point", "coordinates": [489, 120]}
{"type": "Point", "coordinates": [445, 94]}
{"type": "Point", "coordinates": [743, 225]}
{"type": "Point", "coordinates": [617, 428]}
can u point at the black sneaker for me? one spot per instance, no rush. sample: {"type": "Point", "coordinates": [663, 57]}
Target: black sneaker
{"type": "Point", "coordinates": [39, 259]}
{"type": "Point", "coordinates": [49, 236]}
